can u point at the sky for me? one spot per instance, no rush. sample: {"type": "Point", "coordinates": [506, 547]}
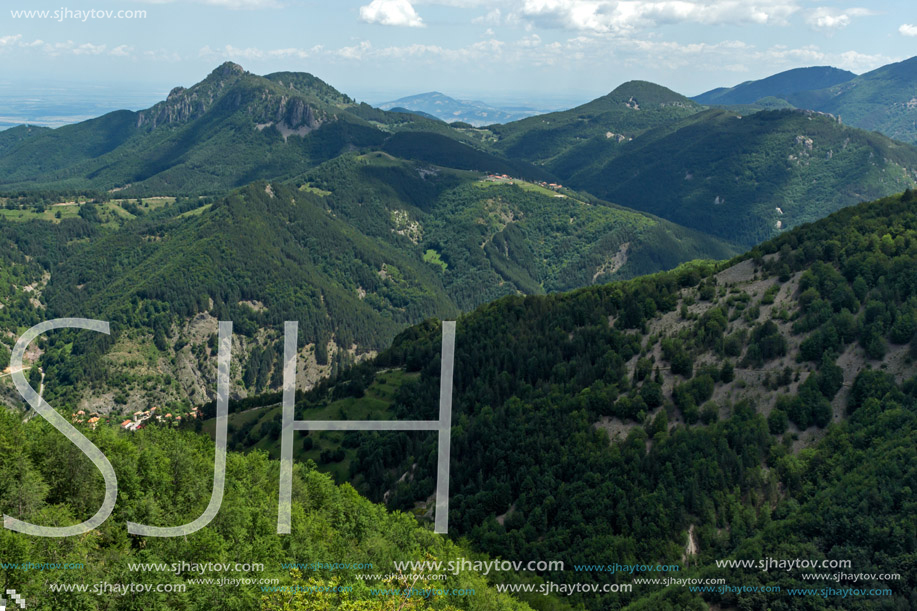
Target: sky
{"type": "Point", "coordinates": [541, 53]}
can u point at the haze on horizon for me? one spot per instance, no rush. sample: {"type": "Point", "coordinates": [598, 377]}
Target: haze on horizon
{"type": "Point", "coordinates": [541, 53]}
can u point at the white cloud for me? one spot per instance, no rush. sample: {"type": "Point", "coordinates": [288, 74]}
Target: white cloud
{"type": "Point", "coordinates": [493, 17]}
{"type": "Point", "coordinates": [908, 29]}
{"type": "Point", "coordinates": [87, 48]}
{"type": "Point", "coordinates": [121, 51]}
{"type": "Point", "coordinates": [356, 51]}
{"type": "Point", "coordinates": [463, 3]}
{"type": "Point", "coordinates": [619, 16]}
{"type": "Point", "coordinates": [826, 18]}
{"type": "Point", "coordinates": [476, 52]}
{"type": "Point", "coordinates": [162, 55]}
{"type": "Point", "coordinates": [10, 40]}
{"type": "Point", "coordinates": [391, 12]}
{"type": "Point", "coordinates": [254, 53]}
{"type": "Point", "coordinates": [862, 62]}
{"type": "Point", "coordinates": [811, 55]}
{"type": "Point", "coordinates": [67, 48]}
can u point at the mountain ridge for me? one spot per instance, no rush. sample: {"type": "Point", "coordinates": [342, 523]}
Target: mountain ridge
{"type": "Point", "coordinates": [779, 85]}
{"type": "Point", "coordinates": [449, 109]}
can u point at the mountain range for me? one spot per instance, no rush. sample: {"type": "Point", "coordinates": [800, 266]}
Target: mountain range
{"type": "Point", "coordinates": [739, 177]}
{"type": "Point", "coordinates": [356, 250]}
{"type": "Point", "coordinates": [680, 339]}
{"type": "Point", "coordinates": [882, 100]}
{"type": "Point", "coordinates": [779, 85]}
{"type": "Point", "coordinates": [385, 218]}
{"type": "Point", "coordinates": [686, 416]}
{"type": "Point", "coordinates": [448, 109]}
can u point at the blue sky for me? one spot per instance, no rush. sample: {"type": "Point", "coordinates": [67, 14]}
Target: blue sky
{"type": "Point", "coordinates": [541, 52]}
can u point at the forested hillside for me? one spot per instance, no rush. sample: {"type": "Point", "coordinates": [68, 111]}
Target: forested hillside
{"type": "Point", "coordinates": [762, 407]}
{"type": "Point", "coordinates": [650, 353]}
{"type": "Point", "coordinates": [230, 129]}
{"type": "Point", "coordinates": [560, 141]}
{"type": "Point", "coordinates": [779, 85]}
{"type": "Point", "coordinates": [356, 250]}
{"type": "Point", "coordinates": [492, 236]}
{"type": "Point", "coordinates": [884, 100]}
{"type": "Point", "coordinates": [165, 478]}
{"type": "Point", "coordinates": [642, 146]}
{"type": "Point", "coordinates": [748, 177]}
{"type": "Point", "coordinates": [742, 177]}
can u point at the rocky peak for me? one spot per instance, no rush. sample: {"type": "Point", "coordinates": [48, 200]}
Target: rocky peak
{"type": "Point", "coordinates": [227, 69]}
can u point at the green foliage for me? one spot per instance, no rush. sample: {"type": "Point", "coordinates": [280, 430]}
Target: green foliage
{"type": "Point", "coordinates": [572, 139]}
{"type": "Point", "coordinates": [777, 421]}
{"type": "Point", "coordinates": [877, 100]}
{"type": "Point", "coordinates": [230, 129]}
{"type": "Point", "coordinates": [782, 84]}
{"type": "Point", "coordinates": [164, 478]}
{"type": "Point", "coordinates": [736, 177]}
{"type": "Point", "coordinates": [535, 375]}
{"type": "Point", "coordinates": [766, 344]}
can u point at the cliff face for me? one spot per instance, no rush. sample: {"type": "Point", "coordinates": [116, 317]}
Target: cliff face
{"type": "Point", "coordinates": [183, 105]}
{"type": "Point", "coordinates": [229, 89]}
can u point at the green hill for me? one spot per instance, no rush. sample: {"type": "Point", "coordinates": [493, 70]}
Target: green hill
{"type": "Point", "coordinates": [745, 178]}
{"type": "Point", "coordinates": [356, 250]}
{"type": "Point", "coordinates": [765, 407]}
{"type": "Point", "coordinates": [164, 478]}
{"type": "Point", "coordinates": [741, 177]}
{"type": "Point", "coordinates": [883, 100]}
{"type": "Point", "coordinates": [230, 129]}
{"type": "Point", "coordinates": [498, 236]}
{"type": "Point", "coordinates": [13, 136]}
{"type": "Point", "coordinates": [779, 85]}
{"type": "Point", "coordinates": [566, 140]}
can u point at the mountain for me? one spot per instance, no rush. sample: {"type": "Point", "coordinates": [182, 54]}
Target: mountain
{"type": "Point", "coordinates": [742, 177]}
{"type": "Point", "coordinates": [764, 407]}
{"type": "Point", "coordinates": [746, 178]}
{"type": "Point", "coordinates": [883, 100]}
{"type": "Point", "coordinates": [10, 138]}
{"type": "Point", "coordinates": [356, 250]}
{"type": "Point", "coordinates": [779, 85]}
{"type": "Point", "coordinates": [449, 109]}
{"type": "Point", "coordinates": [230, 129]}
{"type": "Point", "coordinates": [562, 141]}
{"type": "Point", "coordinates": [495, 236]}
{"type": "Point", "coordinates": [739, 177]}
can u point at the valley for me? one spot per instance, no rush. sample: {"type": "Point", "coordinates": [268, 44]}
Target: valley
{"type": "Point", "coordinates": [686, 334]}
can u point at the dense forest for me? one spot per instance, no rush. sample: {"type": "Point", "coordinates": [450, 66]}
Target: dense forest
{"type": "Point", "coordinates": [628, 388]}
{"type": "Point", "coordinates": [165, 478]}
{"type": "Point", "coordinates": [754, 397]}
{"type": "Point", "coordinates": [355, 250]}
